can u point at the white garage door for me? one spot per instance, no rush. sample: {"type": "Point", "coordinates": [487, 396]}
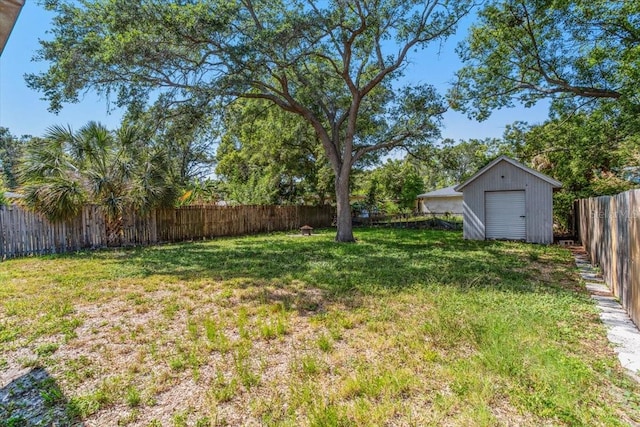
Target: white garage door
{"type": "Point", "coordinates": [505, 215]}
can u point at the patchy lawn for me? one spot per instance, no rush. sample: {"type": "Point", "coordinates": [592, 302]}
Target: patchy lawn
{"type": "Point", "coordinates": [406, 327]}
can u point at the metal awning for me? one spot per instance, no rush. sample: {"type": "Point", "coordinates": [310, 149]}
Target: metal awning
{"type": "Point", "coordinates": [9, 11]}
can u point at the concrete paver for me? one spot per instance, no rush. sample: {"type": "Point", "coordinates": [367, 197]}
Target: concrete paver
{"type": "Point", "coordinates": [621, 331]}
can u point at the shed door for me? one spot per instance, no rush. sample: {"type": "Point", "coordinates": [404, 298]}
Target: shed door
{"type": "Point", "coordinates": [505, 215]}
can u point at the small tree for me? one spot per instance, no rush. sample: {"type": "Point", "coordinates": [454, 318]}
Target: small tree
{"type": "Point", "coordinates": [372, 196]}
{"type": "Point", "coordinates": [412, 186]}
{"type": "Point", "coordinates": [397, 182]}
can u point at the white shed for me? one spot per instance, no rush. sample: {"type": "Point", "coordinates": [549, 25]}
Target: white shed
{"type": "Point", "coordinates": [507, 200]}
{"type": "Point", "coordinates": [441, 202]}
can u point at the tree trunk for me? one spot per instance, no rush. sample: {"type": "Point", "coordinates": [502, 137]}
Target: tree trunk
{"type": "Point", "coordinates": [344, 223]}
{"type": "Point", "coordinates": [114, 231]}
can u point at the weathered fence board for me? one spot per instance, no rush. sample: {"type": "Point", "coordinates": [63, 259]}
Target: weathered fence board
{"type": "Point", "coordinates": [609, 229]}
{"type": "Point", "coordinates": [23, 232]}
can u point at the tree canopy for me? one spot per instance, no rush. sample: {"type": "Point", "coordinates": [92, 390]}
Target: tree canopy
{"type": "Point", "coordinates": [182, 135]}
{"type": "Point", "coordinates": [331, 63]}
{"type": "Point", "coordinates": [574, 52]}
{"type": "Point", "coordinates": [392, 186]}
{"type": "Point", "coordinates": [267, 156]}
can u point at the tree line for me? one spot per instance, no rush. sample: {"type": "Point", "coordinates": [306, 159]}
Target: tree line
{"type": "Point", "coordinates": [268, 159]}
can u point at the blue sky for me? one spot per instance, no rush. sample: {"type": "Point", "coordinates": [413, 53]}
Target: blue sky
{"type": "Point", "coordinates": [23, 112]}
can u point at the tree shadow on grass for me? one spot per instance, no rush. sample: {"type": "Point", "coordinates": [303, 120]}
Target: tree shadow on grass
{"type": "Point", "coordinates": [382, 260]}
{"type": "Point", "coordinates": [34, 399]}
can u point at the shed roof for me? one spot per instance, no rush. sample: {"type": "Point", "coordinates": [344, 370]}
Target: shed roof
{"type": "Point", "coordinates": [540, 175]}
{"type": "Point", "coordinates": [442, 192]}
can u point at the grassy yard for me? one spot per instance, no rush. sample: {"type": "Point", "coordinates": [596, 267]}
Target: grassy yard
{"type": "Point", "coordinates": [405, 327]}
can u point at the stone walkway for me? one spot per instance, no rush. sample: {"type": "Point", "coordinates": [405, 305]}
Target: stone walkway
{"type": "Point", "coordinates": [621, 331]}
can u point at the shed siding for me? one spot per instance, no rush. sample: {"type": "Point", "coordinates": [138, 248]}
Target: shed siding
{"type": "Point", "coordinates": [505, 177]}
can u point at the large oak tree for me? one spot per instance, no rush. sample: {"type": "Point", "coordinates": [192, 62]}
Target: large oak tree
{"type": "Point", "coordinates": [328, 62]}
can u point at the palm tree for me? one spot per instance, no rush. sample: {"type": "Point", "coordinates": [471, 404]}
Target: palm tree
{"type": "Point", "coordinates": [118, 171]}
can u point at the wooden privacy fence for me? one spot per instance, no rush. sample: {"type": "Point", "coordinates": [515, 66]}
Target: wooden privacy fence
{"type": "Point", "coordinates": [609, 229]}
{"type": "Point", "coordinates": [23, 232]}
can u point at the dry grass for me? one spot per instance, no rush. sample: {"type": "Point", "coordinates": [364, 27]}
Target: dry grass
{"type": "Point", "coordinates": [402, 328]}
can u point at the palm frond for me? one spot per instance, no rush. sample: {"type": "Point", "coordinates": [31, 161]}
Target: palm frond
{"type": "Point", "coordinates": [93, 145]}
{"type": "Point", "coordinates": [58, 199]}
{"type": "Point", "coordinates": [60, 136]}
{"type": "Point", "coordinates": [44, 159]}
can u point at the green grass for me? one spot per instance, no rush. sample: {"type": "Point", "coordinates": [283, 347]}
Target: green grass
{"type": "Point", "coordinates": [324, 343]}
{"type": "Point", "coordinates": [408, 327]}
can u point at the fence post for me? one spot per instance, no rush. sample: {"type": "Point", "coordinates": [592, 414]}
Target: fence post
{"type": "Point", "coordinates": [633, 285]}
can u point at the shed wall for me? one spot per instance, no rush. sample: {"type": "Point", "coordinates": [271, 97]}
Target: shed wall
{"type": "Point", "coordinates": [441, 205]}
{"type": "Point", "coordinates": [504, 177]}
